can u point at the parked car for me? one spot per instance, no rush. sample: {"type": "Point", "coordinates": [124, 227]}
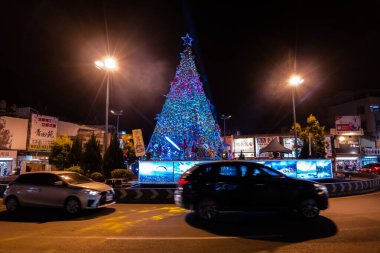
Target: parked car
{"type": "Point", "coordinates": [118, 182]}
{"type": "Point", "coordinates": [213, 187]}
{"type": "Point", "coordinates": [69, 190]}
{"type": "Point", "coordinates": [371, 168]}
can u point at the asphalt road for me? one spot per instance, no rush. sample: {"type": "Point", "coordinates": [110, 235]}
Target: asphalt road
{"type": "Point", "coordinates": [351, 224]}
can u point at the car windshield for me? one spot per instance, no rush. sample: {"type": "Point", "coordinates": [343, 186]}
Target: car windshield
{"type": "Point", "coordinates": [74, 178]}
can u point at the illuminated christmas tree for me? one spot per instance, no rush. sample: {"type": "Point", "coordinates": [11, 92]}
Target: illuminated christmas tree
{"type": "Point", "coordinates": [186, 128]}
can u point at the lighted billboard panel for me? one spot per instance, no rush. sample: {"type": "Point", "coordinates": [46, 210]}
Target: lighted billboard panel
{"type": "Point", "coordinates": [157, 172]}
{"type": "Point", "coordinates": [180, 167]}
{"type": "Point", "coordinates": [307, 169]}
{"type": "Point", "coordinates": [287, 167]}
{"type": "Point", "coordinates": [288, 142]}
{"type": "Point", "coordinates": [324, 169]}
{"type": "Point", "coordinates": [347, 124]}
{"type": "Point", "coordinates": [13, 133]}
{"type": "Point", "coordinates": [168, 172]}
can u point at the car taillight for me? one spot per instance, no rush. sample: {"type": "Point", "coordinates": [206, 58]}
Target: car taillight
{"type": "Point", "coordinates": [182, 181]}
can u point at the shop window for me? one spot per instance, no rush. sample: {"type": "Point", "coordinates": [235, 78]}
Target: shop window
{"type": "Point", "coordinates": [5, 168]}
{"type": "Point", "coordinates": [347, 165]}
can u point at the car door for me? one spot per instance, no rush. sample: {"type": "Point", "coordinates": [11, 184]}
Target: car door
{"type": "Point", "coordinates": [265, 190]}
{"type": "Point", "coordinates": [28, 189]}
{"type": "Point", "coordinates": [228, 186]}
{"type": "Point", "coordinates": [52, 194]}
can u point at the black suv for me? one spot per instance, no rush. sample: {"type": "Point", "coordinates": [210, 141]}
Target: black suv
{"type": "Point", "coordinates": [246, 186]}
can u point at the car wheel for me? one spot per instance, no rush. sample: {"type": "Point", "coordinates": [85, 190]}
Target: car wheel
{"type": "Point", "coordinates": [12, 204]}
{"type": "Point", "coordinates": [308, 209]}
{"type": "Point", "coordinates": [72, 206]}
{"type": "Point", "coordinates": [207, 210]}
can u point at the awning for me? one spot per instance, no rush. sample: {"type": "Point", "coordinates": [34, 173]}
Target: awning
{"type": "Point", "coordinates": [275, 146]}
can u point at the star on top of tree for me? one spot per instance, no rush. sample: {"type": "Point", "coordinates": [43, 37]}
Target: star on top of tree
{"type": "Point", "coordinates": [187, 40]}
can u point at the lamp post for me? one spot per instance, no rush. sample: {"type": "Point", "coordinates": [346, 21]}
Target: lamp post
{"type": "Point", "coordinates": [294, 81]}
{"type": "Point", "coordinates": [224, 117]}
{"type": "Point", "coordinates": [108, 64]}
{"type": "Point", "coordinates": [118, 114]}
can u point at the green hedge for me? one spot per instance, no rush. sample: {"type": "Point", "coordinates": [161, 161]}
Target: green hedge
{"type": "Point", "coordinates": [97, 176]}
{"type": "Point", "coordinates": [122, 173]}
{"type": "Point", "coordinates": [76, 169]}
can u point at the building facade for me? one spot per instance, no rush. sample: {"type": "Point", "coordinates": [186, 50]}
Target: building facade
{"type": "Point", "coordinates": [26, 138]}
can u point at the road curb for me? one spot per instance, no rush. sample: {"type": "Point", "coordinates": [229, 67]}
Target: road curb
{"type": "Point", "coordinates": [144, 195]}
{"type": "Point", "coordinates": [352, 188]}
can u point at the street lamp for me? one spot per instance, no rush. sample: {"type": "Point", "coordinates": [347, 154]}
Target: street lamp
{"type": "Point", "coordinates": [294, 81]}
{"type": "Point", "coordinates": [224, 117]}
{"type": "Point", "coordinates": [118, 114]}
{"type": "Point", "coordinates": [108, 64]}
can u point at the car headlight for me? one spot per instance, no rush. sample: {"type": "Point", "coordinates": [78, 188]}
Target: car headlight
{"type": "Point", "coordinates": [91, 192]}
{"type": "Point", "coordinates": [321, 187]}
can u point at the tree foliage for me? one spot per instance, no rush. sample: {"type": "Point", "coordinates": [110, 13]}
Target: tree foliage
{"type": "Point", "coordinates": [92, 158]}
{"type": "Point", "coordinates": [299, 130]}
{"type": "Point", "coordinates": [97, 176]}
{"type": "Point", "coordinates": [113, 158]}
{"type": "Point", "coordinates": [60, 150]}
{"type": "Point", "coordinates": [313, 133]}
{"type": "Point", "coordinates": [75, 156]}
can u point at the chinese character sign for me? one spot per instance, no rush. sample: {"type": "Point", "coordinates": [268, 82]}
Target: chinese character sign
{"type": "Point", "coordinates": [43, 131]}
{"type": "Point", "coordinates": [138, 142]}
{"type": "Point", "coordinates": [244, 145]}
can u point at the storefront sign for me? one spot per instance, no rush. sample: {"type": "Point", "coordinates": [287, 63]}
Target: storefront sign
{"type": "Point", "coordinates": [43, 132]}
{"type": "Point", "coordinates": [8, 154]}
{"type": "Point", "coordinates": [13, 133]}
{"type": "Point", "coordinates": [244, 144]}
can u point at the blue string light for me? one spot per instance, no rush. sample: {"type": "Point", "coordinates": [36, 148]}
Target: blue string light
{"type": "Point", "coordinates": [186, 117]}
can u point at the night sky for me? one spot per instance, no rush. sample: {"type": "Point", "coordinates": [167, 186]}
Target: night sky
{"type": "Point", "coordinates": [244, 51]}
